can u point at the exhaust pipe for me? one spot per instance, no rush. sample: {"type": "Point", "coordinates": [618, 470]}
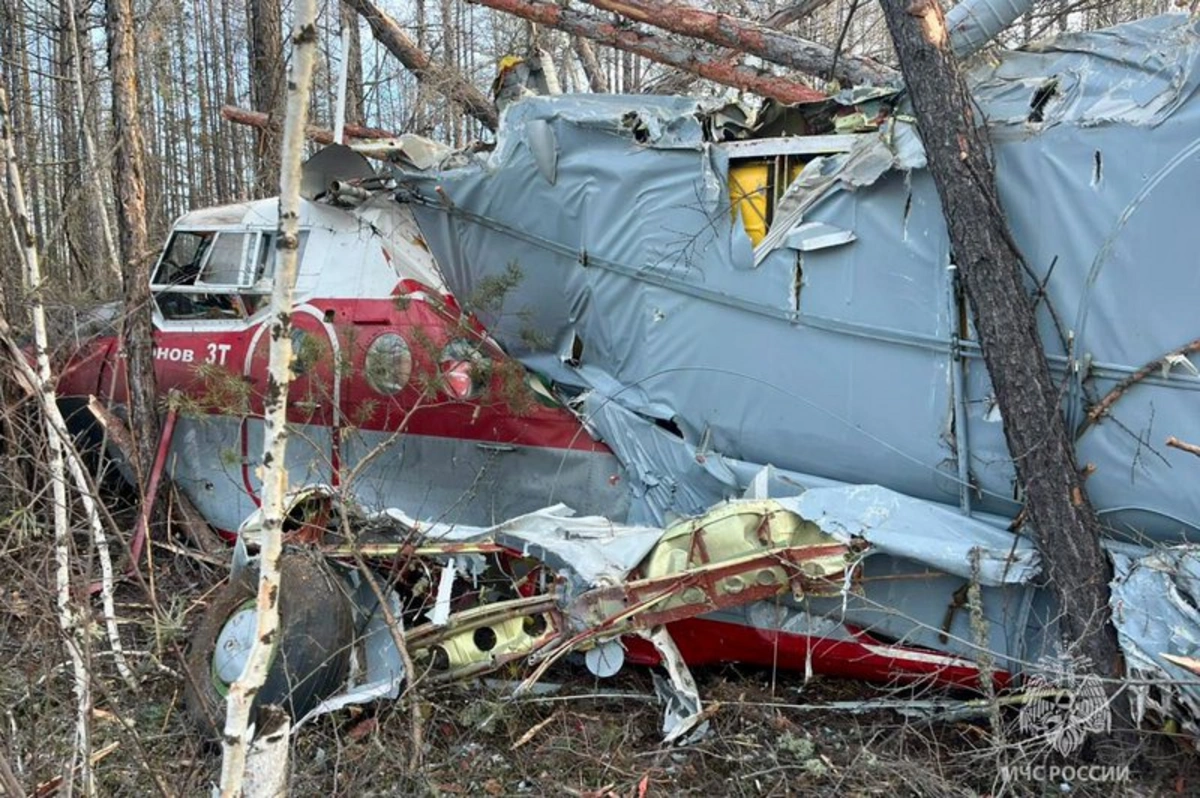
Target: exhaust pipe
{"type": "Point", "coordinates": [974, 23]}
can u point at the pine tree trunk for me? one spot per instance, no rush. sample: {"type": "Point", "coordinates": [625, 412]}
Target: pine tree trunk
{"type": "Point", "coordinates": [1066, 527]}
{"type": "Point", "coordinates": [442, 77]}
{"type": "Point", "coordinates": [89, 171]}
{"type": "Point", "coordinates": [355, 113]}
{"type": "Point", "coordinates": [655, 48]}
{"type": "Point", "coordinates": [744, 36]}
{"type": "Point", "coordinates": [137, 337]}
{"type": "Point", "coordinates": [266, 88]}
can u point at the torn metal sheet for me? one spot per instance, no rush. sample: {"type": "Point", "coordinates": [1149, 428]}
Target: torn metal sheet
{"type": "Point", "coordinates": [1140, 73]}
{"type": "Point", "coordinates": [896, 147]}
{"type": "Point", "coordinates": [683, 717]}
{"type": "Point", "coordinates": [635, 263]}
{"type": "Point", "coordinates": [904, 527]}
{"type": "Point", "coordinates": [1156, 609]}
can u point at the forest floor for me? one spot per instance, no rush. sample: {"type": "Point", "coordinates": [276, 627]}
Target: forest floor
{"type": "Point", "coordinates": [587, 738]}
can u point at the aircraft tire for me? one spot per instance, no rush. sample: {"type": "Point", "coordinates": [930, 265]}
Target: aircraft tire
{"type": "Point", "coordinates": [308, 665]}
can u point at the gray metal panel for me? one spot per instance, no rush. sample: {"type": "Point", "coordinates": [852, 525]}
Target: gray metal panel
{"type": "Point", "coordinates": [633, 254]}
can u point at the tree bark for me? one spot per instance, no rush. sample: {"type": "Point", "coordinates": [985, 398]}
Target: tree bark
{"type": "Point", "coordinates": [137, 338]}
{"type": "Point", "coordinates": [657, 49]}
{"type": "Point", "coordinates": [1066, 527]}
{"type": "Point", "coordinates": [744, 36]}
{"type": "Point", "coordinates": [321, 135]}
{"type": "Point", "coordinates": [440, 77]}
{"type": "Point", "coordinates": [275, 429]}
{"type": "Point", "coordinates": [355, 113]}
{"type": "Point", "coordinates": [597, 80]}
{"type": "Point", "coordinates": [266, 88]}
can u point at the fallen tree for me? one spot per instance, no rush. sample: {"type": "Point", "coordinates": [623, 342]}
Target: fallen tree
{"type": "Point", "coordinates": [1066, 527]}
{"type": "Point", "coordinates": [745, 36]}
{"type": "Point", "coordinates": [656, 48]}
{"type": "Point", "coordinates": [438, 76]}
{"type": "Point", "coordinates": [321, 135]}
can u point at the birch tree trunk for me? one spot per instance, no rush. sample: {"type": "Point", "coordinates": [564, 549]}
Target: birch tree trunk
{"type": "Point", "coordinates": [67, 618]}
{"type": "Point", "coordinates": [275, 433]}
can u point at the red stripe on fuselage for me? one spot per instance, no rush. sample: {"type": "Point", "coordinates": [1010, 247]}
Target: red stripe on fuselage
{"type": "Point", "coordinates": [427, 325]}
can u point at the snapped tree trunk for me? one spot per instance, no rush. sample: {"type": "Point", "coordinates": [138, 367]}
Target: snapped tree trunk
{"type": "Point", "coordinates": [441, 77]}
{"type": "Point", "coordinates": [597, 80]}
{"type": "Point", "coordinates": [320, 135]}
{"type": "Point", "coordinates": [991, 268]}
{"type": "Point", "coordinates": [137, 338]}
{"type": "Point", "coordinates": [744, 36]}
{"type": "Point", "coordinates": [656, 48]}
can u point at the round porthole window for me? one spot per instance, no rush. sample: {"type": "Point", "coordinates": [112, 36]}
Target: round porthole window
{"type": "Point", "coordinates": [388, 363]}
{"type": "Point", "coordinates": [463, 369]}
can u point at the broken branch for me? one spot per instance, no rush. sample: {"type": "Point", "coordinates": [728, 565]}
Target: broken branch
{"type": "Point", "coordinates": [442, 78]}
{"type": "Point", "coordinates": [1102, 407]}
{"type": "Point", "coordinates": [657, 49]}
{"type": "Point", "coordinates": [1175, 443]}
{"type": "Point", "coordinates": [751, 37]}
{"type": "Point", "coordinates": [318, 134]}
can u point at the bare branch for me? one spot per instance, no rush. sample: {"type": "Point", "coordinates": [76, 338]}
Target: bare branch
{"type": "Point", "coordinates": [1184, 446]}
{"type": "Point", "coordinates": [750, 37]}
{"type": "Point", "coordinates": [657, 49]}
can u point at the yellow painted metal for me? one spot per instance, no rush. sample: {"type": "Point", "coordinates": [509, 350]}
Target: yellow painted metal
{"type": "Point", "coordinates": [750, 193]}
{"type": "Point", "coordinates": [749, 187]}
{"type": "Point", "coordinates": [511, 637]}
{"type": "Point", "coordinates": [741, 531]}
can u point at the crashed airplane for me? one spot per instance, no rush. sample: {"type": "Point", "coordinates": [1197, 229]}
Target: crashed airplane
{"type": "Point", "coordinates": [724, 401]}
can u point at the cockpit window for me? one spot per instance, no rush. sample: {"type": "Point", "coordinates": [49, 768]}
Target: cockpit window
{"type": "Point", "coordinates": [180, 264]}
{"type": "Point", "coordinates": [216, 275]}
{"type": "Point", "coordinates": [226, 263]}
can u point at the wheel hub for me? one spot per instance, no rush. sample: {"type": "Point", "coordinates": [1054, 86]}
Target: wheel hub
{"type": "Point", "coordinates": [234, 644]}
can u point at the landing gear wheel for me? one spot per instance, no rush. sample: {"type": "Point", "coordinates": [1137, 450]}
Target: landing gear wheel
{"type": "Point", "coordinates": [316, 630]}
